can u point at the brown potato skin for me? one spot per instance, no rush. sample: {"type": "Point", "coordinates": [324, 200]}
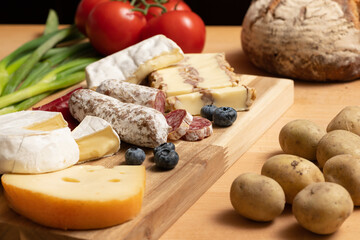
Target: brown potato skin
{"type": "Point", "coordinates": [322, 207]}
{"type": "Point", "coordinates": [347, 119]}
{"type": "Point", "coordinates": [257, 197]}
{"type": "Point", "coordinates": [345, 170]}
{"type": "Point", "coordinates": [337, 142]}
{"type": "Point", "coordinates": [300, 137]}
{"type": "Point", "coordinates": [293, 173]}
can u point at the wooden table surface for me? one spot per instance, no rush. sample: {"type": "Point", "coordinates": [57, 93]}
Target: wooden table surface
{"type": "Point", "coordinates": [212, 216]}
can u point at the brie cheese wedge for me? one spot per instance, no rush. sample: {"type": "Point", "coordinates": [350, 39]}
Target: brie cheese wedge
{"type": "Point", "coordinates": [36, 142]}
{"type": "Point", "coordinates": [134, 63]}
{"type": "Point", "coordinates": [95, 138]}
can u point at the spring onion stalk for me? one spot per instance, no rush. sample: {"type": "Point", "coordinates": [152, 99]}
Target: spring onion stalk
{"type": "Point", "coordinates": [52, 22]}
{"type": "Point", "coordinates": [26, 104]}
{"type": "Point", "coordinates": [24, 70]}
{"type": "Point", "coordinates": [40, 88]}
{"type": "Point", "coordinates": [52, 75]}
{"type": "Point", "coordinates": [68, 52]}
{"type": "Point", "coordinates": [13, 66]}
{"type": "Point", "coordinates": [45, 66]}
{"type": "Point", "coordinates": [36, 74]}
{"type": "Point", "coordinates": [23, 49]}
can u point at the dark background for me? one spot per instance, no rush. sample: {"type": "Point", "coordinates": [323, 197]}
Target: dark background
{"type": "Point", "coordinates": [213, 12]}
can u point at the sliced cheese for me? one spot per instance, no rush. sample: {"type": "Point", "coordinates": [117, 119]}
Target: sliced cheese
{"type": "Point", "coordinates": [79, 197]}
{"type": "Point", "coordinates": [95, 138]}
{"type": "Point", "coordinates": [195, 72]}
{"type": "Point", "coordinates": [240, 98]}
{"type": "Point", "coordinates": [35, 142]}
{"type": "Point", "coordinates": [134, 63]}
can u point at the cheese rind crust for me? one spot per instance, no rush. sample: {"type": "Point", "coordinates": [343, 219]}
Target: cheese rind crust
{"type": "Point", "coordinates": [196, 72]}
{"type": "Point", "coordinates": [95, 138]}
{"type": "Point", "coordinates": [134, 63]}
{"type": "Point", "coordinates": [35, 142]}
{"type": "Point", "coordinates": [79, 197]}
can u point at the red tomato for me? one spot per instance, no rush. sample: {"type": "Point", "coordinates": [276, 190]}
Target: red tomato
{"type": "Point", "coordinates": [82, 12]}
{"type": "Point", "coordinates": [171, 5]}
{"type": "Point", "coordinates": [113, 26]}
{"type": "Point", "coordinates": [186, 28]}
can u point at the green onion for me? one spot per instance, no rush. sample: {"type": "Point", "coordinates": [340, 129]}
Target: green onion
{"type": "Point", "coordinates": [80, 64]}
{"type": "Point", "coordinates": [26, 104]}
{"type": "Point", "coordinates": [24, 70]}
{"type": "Point", "coordinates": [41, 87]}
{"type": "Point", "coordinates": [23, 49]}
{"type": "Point", "coordinates": [44, 67]}
{"type": "Point", "coordinates": [52, 22]}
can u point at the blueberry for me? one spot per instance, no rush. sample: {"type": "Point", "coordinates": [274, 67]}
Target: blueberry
{"type": "Point", "coordinates": [167, 145]}
{"type": "Point", "coordinates": [134, 156]}
{"type": "Point", "coordinates": [224, 116]}
{"type": "Point", "coordinates": [207, 111]}
{"type": "Point", "coordinates": [166, 158]}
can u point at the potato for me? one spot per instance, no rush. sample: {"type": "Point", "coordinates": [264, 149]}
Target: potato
{"type": "Point", "coordinates": [337, 142]}
{"type": "Point", "coordinates": [257, 197]}
{"type": "Point", "coordinates": [347, 119]}
{"type": "Point", "coordinates": [322, 207]}
{"type": "Point", "coordinates": [293, 173]}
{"type": "Point", "coordinates": [345, 170]}
{"type": "Point", "coordinates": [300, 137]}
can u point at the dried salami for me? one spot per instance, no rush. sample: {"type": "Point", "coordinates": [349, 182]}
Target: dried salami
{"type": "Point", "coordinates": [179, 120]}
{"type": "Point", "coordinates": [133, 93]}
{"type": "Point", "coordinates": [200, 128]}
{"type": "Point", "coordinates": [135, 124]}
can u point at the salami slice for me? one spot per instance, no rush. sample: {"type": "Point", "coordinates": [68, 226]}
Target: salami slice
{"type": "Point", "coordinates": [135, 124]}
{"type": "Point", "coordinates": [179, 120]}
{"type": "Point", "coordinates": [200, 128]}
{"type": "Point", "coordinates": [133, 93]}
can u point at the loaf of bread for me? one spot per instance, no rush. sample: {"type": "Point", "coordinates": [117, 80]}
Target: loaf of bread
{"type": "Point", "coordinates": [313, 40]}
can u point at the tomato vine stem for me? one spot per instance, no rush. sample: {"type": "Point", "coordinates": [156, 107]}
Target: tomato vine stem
{"type": "Point", "coordinates": [158, 3]}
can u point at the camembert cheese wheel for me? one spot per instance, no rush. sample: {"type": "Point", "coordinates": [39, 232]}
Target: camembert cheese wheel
{"type": "Point", "coordinates": [36, 142]}
{"type": "Point", "coordinates": [79, 197]}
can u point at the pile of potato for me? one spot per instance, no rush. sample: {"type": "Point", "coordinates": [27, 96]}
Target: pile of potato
{"type": "Point", "coordinates": [318, 174]}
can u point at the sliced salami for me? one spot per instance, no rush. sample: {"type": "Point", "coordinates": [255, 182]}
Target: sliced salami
{"type": "Point", "coordinates": [179, 120]}
{"type": "Point", "coordinates": [135, 124]}
{"type": "Point", "coordinates": [133, 93]}
{"type": "Point", "coordinates": [200, 128]}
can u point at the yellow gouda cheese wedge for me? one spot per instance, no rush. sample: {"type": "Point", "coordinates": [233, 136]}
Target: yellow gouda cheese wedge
{"type": "Point", "coordinates": [79, 197]}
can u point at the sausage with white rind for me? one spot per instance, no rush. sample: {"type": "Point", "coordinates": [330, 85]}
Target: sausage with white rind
{"type": "Point", "coordinates": [133, 93]}
{"type": "Point", "coordinates": [135, 124]}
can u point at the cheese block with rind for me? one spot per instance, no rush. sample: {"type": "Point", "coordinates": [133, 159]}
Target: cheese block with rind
{"type": "Point", "coordinates": [240, 98]}
{"type": "Point", "coordinates": [36, 142]}
{"type": "Point", "coordinates": [79, 197]}
{"type": "Point", "coordinates": [95, 138]}
{"type": "Point", "coordinates": [196, 72]}
{"type": "Point", "coordinates": [134, 63]}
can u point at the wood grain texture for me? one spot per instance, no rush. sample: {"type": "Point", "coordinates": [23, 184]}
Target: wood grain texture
{"type": "Point", "coordinates": [168, 194]}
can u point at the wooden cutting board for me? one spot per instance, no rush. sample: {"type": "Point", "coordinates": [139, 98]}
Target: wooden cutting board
{"type": "Point", "coordinates": [170, 193]}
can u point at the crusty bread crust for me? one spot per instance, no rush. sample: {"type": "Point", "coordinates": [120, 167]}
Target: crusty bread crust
{"type": "Point", "coordinates": [313, 40]}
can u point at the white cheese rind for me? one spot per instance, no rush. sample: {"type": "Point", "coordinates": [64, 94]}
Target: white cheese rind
{"type": "Point", "coordinates": [134, 63]}
{"type": "Point", "coordinates": [96, 138]}
{"type": "Point", "coordinates": [34, 151]}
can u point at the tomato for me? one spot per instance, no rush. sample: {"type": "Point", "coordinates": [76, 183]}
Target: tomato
{"type": "Point", "coordinates": [82, 12]}
{"type": "Point", "coordinates": [171, 5]}
{"type": "Point", "coordinates": [185, 28]}
{"type": "Point", "coordinates": [113, 26]}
